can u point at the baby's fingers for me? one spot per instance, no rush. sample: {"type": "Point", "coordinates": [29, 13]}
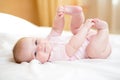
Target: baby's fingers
{"type": "Point", "coordinates": [60, 9]}
{"type": "Point", "coordinates": [89, 22]}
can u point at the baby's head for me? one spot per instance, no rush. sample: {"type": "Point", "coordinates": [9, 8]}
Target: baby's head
{"type": "Point", "coordinates": [29, 48]}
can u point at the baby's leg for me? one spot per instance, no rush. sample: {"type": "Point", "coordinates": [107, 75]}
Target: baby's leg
{"type": "Point", "coordinates": [99, 46]}
{"type": "Point", "coordinates": [77, 17]}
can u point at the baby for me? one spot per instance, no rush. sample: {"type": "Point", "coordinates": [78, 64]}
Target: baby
{"type": "Point", "coordinates": [84, 43]}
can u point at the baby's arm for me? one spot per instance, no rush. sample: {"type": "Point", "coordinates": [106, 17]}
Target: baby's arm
{"type": "Point", "coordinates": [58, 24]}
{"type": "Point", "coordinates": [77, 40]}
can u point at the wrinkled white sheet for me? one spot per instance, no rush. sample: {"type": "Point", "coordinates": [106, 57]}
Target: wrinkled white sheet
{"type": "Point", "coordinates": [12, 28]}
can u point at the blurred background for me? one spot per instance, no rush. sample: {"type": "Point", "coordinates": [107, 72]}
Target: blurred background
{"type": "Point", "coordinates": [42, 12]}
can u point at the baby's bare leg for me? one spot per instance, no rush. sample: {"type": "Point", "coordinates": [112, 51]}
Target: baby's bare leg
{"type": "Point", "coordinates": [77, 17]}
{"type": "Point", "coordinates": [99, 46]}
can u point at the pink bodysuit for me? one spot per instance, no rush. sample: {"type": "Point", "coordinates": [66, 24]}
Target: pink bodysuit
{"type": "Point", "coordinates": [58, 49]}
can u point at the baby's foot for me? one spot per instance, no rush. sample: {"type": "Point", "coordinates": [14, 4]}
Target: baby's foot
{"type": "Point", "coordinates": [100, 24]}
{"type": "Point", "coordinates": [77, 17]}
{"type": "Point", "coordinates": [59, 18]}
{"type": "Point", "coordinates": [88, 24]}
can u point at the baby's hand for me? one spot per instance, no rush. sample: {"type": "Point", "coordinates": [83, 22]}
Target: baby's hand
{"type": "Point", "coordinates": [60, 12]}
{"type": "Point", "coordinates": [88, 23]}
{"type": "Point", "coordinates": [100, 24]}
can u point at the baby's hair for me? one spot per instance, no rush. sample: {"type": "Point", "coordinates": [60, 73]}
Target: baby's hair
{"type": "Point", "coordinates": [16, 51]}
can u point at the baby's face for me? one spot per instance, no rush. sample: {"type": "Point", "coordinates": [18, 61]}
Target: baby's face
{"type": "Point", "coordinates": [35, 48]}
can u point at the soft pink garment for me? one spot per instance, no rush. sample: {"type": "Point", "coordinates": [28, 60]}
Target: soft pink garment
{"type": "Point", "coordinates": [58, 49]}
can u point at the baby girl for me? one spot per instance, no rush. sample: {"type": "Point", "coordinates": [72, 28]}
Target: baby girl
{"type": "Point", "coordinates": [84, 43]}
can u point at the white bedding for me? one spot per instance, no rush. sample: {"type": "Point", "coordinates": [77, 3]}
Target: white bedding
{"type": "Point", "coordinates": [12, 28]}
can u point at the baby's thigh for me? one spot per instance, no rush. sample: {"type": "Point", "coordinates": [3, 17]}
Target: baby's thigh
{"type": "Point", "coordinates": [91, 34]}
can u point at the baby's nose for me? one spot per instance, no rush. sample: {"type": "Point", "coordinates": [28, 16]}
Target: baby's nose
{"type": "Point", "coordinates": [39, 47]}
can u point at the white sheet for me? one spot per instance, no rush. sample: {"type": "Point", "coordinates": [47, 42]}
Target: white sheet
{"type": "Point", "coordinates": [12, 28]}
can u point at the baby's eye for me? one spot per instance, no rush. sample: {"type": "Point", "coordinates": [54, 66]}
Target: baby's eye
{"type": "Point", "coordinates": [35, 53]}
{"type": "Point", "coordinates": [36, 42]}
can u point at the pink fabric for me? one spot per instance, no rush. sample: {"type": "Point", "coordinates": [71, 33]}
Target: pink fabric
{"type": "Point", "coordinates": [58, 49]}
